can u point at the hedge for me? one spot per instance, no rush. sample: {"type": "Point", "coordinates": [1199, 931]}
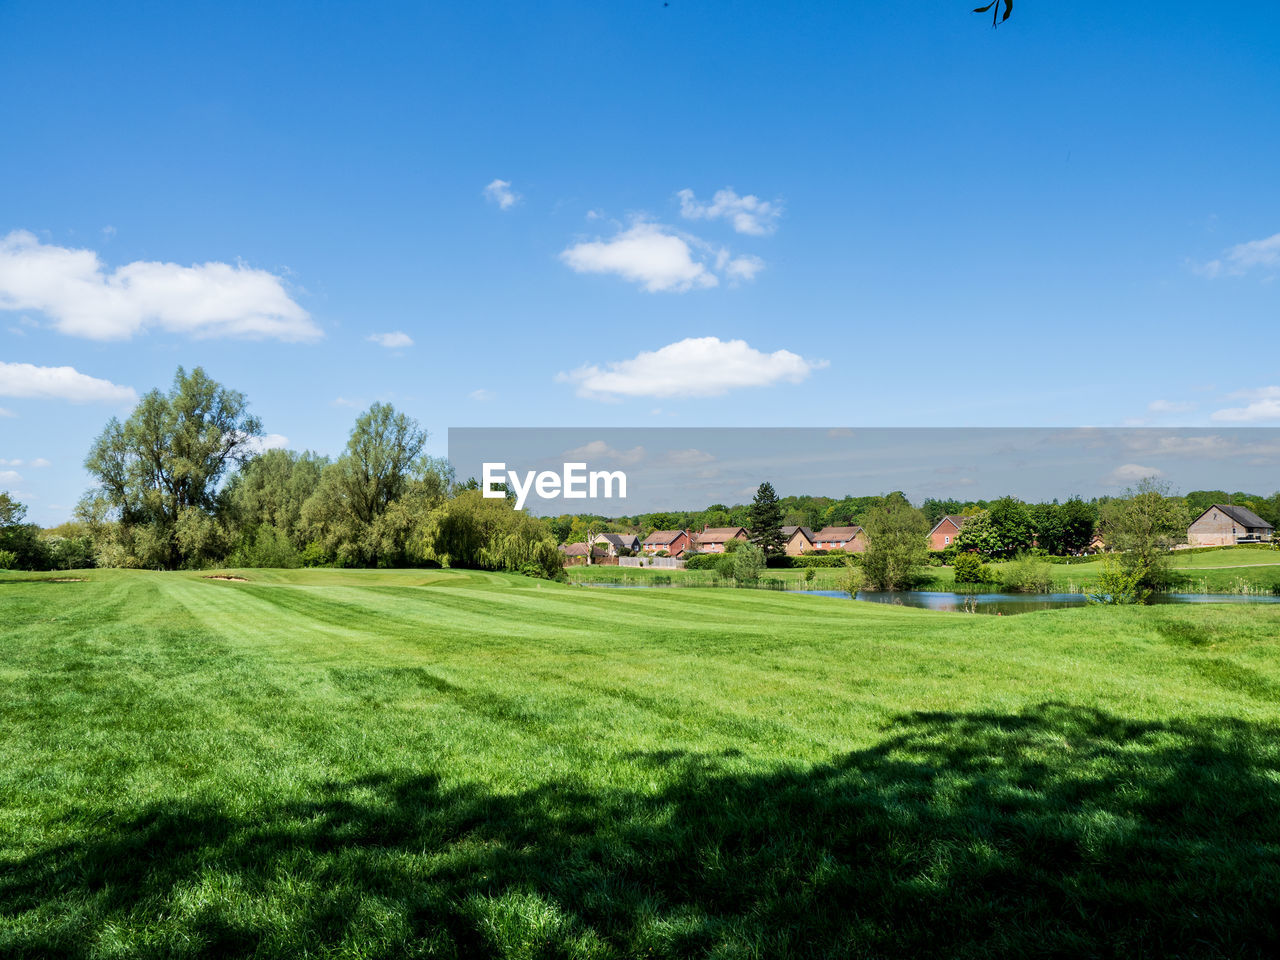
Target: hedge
{"type": "Point", "coordinates": [811, 560]}
{"type": "Point", "coordinates": [702, 561]}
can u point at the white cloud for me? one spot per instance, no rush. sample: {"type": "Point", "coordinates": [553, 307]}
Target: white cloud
{"type": "Point", "coordinates": [743, 268]}
{"type": "Point", "coordinates": [1244, 257]}
{"type": "Point", "coordinates": [268, 441]}
{"type": "Point", "coordinates": [6, 412]}
{"type": "Point", "coordinates": [38, 462]}
{"type": "Point", "coordinates": [82, 298]}
{"type": "Point", "coordinates": [500, 192]}
{"type": "Point", "coordinates": [1170, 406]}
{"type": "Point", "coordinates": [1129, 474]}
{"type": "Point", "coordinates": [10, 476]}
{"type": "Point", "coordinates": [392, 340]}
{"type": "Point", "coordinates": [1177, 445]}
{"type": "Point", "coordinates": [481, 395]}
{"type": "Point", "coordinates": [1264, 405]}
{"type": "Point", "coordinates": [694, 367]}
{"type": "Point", "coordinates": [647, 254]}
{"type": "Point", "coordinates": [599, 450]}
{"type": "Point", "coordinates": [344, 402]}
{"type": "Point", "coordinates": [59, 383]}
{"type": "Point", "coordinates": [747, 214]}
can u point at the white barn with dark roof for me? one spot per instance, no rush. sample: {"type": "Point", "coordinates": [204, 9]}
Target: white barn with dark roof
{"type": "Point", "coordinates": [1225, 525]}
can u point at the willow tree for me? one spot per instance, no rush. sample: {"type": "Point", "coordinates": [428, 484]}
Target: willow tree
{"type": "Point", "coordinates": [359, 512]}
{"type": "Point", "coordinates": [897, 543]}
{"type": "Point", "coordinates": [159, 471]}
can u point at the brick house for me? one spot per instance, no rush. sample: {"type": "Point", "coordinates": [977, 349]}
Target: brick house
{"type": "Point", "coordinates": [713, 539]}
{"type": "Point", "coordinates": [848, 539]}
{"type": "Point", "coordinates": [615, 542]}
{"type": "Point", "coordinates": [944, 531]}
{"type": "Point", "coordinates": [1223, 525]}
{"type": "Point", "coordinates": [674, 542]}
{"type": "Point", "coordinates": [576, 553]}
{"type": "Point", "coordinates": [798, 540]}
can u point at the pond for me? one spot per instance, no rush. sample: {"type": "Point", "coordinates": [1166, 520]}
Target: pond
{"type": "Point", "coordinates": [1021, 602]}
{"type": "Point", "coordinates": [993, 603]}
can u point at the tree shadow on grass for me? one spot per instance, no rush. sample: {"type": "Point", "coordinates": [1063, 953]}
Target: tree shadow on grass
{"type": "Point", "coordinates": [1058, 831]}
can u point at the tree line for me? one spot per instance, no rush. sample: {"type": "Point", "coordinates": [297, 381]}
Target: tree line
{"type": "Point", "coordinates": [183, 483]}
{"type": "Point", "coordinates": [997, 529]}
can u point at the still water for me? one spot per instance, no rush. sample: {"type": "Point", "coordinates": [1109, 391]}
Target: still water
{"type": "Point", "coordinates": [1001, 603]}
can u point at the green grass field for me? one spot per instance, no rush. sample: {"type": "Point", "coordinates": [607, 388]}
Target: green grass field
{"type": "Point", "coordinates": [384, 764]}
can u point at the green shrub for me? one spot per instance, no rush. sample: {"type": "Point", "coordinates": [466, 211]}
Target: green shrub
{"type": "Point", "coordinates": [1119, 585]}
{"type": "Point", "coordinates": [1027, 574]}
{"type": "Point", "coordinates": [820, 560]}
{"type": "Point", "coordinates": [70, 553]}
{"type": "Point", "coordinates": [852, 580]}
{"type": "Point", "coordinates": [748, 561]}
{"type": "Point", "coordinates": [8, 560]}
{"type": "Point", "coordinates": [725, 566]}
{"type": "Point", "coordinates": [701, 561]}
{"type": "Point", "coordinates": [315, 555]}
{"type": "Point", "coordinates": [270, 547]}
{"type": "Point", "coordinates": [969, 568]}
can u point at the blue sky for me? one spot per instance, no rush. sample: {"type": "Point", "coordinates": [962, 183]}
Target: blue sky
{"type": "Point", "coordinates": [1073, 220]}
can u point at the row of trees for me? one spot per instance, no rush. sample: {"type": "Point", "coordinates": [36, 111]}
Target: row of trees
{"type": "Point", "coordinates": [182, 483]}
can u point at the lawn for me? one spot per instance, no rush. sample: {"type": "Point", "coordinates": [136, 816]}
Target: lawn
{"type": "Point", "coordinates": [435, 763]}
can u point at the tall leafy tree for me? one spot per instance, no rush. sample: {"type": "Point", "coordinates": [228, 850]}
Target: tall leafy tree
{"type": "Point", "coordinates": [20, 543]}
{"type": "Point", "coordinates": [1145, 524]}
{"type": "Point", "coordinates": [270, 490]}
{"type": "Point", "coordinates": [1079, 520]}
{"type": "Point", "coordinates": [765, 521]}
{"type": "Point", "coordinates": [1012, 524]}
{"type": "Point", "coordinates": [978, 535]}
{"type": "Point", "coordinates": [382, 461]}
{"type": "Point", "coordinates": [897, 543]}
{"type": "Point", "coordinates": [158, 472]}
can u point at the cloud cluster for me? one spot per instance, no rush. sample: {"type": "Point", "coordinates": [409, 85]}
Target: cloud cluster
{"type": "Point", "coordinates": [1129, 474]}
{"type": "Point", "coordinates": [269, 441]}
{"type": "Point", "coordinates": [749, 214]}
{"type": "Point", "coordinates": [500, 192]}
{"type": "Point", "coordinates": [660, 259]}
{"type": "Point", "coordinates": [37, 462]}
{"type": "Point", "coordinates": [1264, 404]}
{"type": "Point", "coordinates": [694, 367]}
{"type": "Point", "coordinates": [1243, 257]}
{"type": "Point", "coordinates": [83, 298]}
{"type": "Point", "coordinates": [391, 341]}
{"type": "Point", "coordinates": [1170, 406]}
{"type": "Point", "coordinates": [59, 383]}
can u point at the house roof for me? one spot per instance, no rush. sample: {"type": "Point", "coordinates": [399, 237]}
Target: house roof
{"type": "Point", "coordinates": [663, 536]}
{"type": "Point", "coordinates": [580, 550]}
{"type": "Point", "coordinates": [955, 519]}
{"type": "Point", "coordinates": [617, 539]}
{"type": "Point", "coordinates": [836, 534]}
{"type": "Point", "coordinates": [719, 534]}
{"type": "Point", "coordinates": [1241, 515]}
{"type": "Point", "coordinates": [789, 532]}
